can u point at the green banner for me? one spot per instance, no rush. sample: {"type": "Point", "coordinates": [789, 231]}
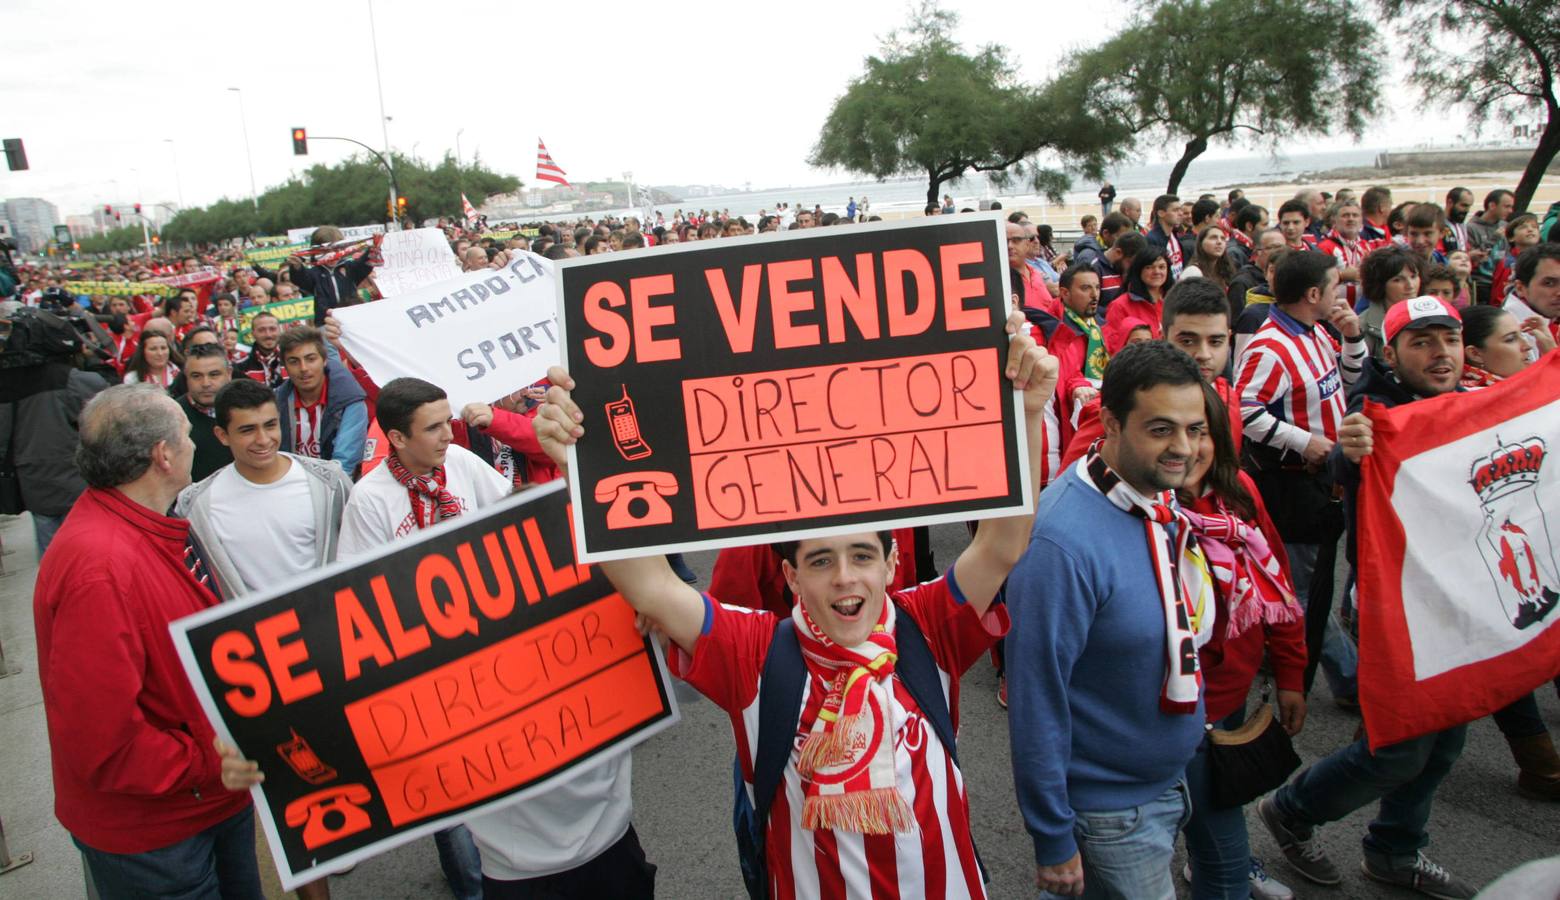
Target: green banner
{"type": "Point", "coordinates": [120, 288]}
{"type": "Point", "coordinates": [511, 233]}
{"type": "Point", "coordinates": [287, 312]}
{"type": "Point", "coordinates": [273, 255]}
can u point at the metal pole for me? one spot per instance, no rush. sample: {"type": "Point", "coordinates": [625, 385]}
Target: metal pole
{"type": "Point", "coordinates": [243, 117]}
{"type": "Point", "coordinates": [177, 180]}
{"type": "Point", "coordinates": [6, 862]}
{"type": "Point", "coordinates": [384, 123]}
{"type": "Point", "coordinates": [459, 184]}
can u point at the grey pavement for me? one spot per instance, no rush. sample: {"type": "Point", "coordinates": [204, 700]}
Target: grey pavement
{"type": "Point", "coordinates": [1481, 827]}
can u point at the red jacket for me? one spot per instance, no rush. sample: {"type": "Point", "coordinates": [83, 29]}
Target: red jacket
{"type": "Point", "coordinates": [134, 768]}
{"type": "Point", "coordinates": [1229, 666]}
{"type": "Point", "coordinates": [518, 430]}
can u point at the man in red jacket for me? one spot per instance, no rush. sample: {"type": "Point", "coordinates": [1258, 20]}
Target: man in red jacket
{"type": "Point", "coordinates": [138, 778]}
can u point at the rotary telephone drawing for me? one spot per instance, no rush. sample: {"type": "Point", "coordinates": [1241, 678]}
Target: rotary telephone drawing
{"type": "Point", "coordinates": [636, 498]}
{"type": "Point", "coordinates": [330, 815]}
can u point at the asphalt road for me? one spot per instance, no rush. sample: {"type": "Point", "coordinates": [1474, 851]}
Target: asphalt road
{"type": "Point", "coordinates": [1481, 827]}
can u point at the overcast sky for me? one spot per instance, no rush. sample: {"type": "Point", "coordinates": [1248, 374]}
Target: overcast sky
{"type": "Point", "coordinates": [687, 91]}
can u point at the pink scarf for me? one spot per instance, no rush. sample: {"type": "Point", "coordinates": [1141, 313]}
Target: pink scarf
{"type": "Point", "coordinates": [1245, 569]}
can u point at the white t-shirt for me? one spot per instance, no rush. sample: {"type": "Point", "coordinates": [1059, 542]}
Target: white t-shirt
{"type": "Point", "coordinates": [269, 526]}
{"type": "Point", "coordinates": [580, 817]}
{"type": "Point", "coordinates": [380, 508]}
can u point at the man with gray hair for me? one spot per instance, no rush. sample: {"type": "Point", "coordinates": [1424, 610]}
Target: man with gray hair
{"type": "Point", "coordinates": [157, 806]}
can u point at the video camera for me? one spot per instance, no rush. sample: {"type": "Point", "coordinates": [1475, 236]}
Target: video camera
{"type": "Point", "coordinates": [36, 336]}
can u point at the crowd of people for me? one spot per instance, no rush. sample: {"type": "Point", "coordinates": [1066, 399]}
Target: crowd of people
{"type": "Point", "coordinates": [1192, 387]}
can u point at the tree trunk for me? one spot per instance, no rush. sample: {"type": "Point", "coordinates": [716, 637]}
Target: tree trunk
{"type": "Point", "coordinates": [1538, 163]}
{"type": "Point", "coordinates": [934, 182]}
{"type": "Point", "coordinates": [1194, 149]}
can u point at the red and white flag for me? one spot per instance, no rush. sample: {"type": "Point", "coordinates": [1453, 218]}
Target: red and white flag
{"type": "Point", "coordinates": [466, 208]}
{"type": "Point", "coordinates": [1459, 555]}
{"type": "Point", "coordinates": [546, 169]}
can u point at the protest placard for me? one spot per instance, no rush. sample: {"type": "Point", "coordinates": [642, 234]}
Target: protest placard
{"type": "Point", "coordinates": [287, 312]}
{"type": "Point", "coordinates": [414, 259]}
{"type": "Point", "coordinates": [1459, 562]}
{"type": "Point", "coordinates": [272, 255]}
{"type": "Point", "coordinates": [462, 669]}
{"type": "Point", "coordinates": [813, 382]}
{"type": "Point", "coordinates": [480, 336]}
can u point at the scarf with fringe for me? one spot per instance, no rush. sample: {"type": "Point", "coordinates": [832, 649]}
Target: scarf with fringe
{"type": "Point", "coordinates": [848, 759]}
{"type": "Point", "coordinates": [1245, 569]}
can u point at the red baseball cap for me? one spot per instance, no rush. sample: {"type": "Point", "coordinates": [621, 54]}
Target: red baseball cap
{"type": "Point", "coordinates": [1420, 312]}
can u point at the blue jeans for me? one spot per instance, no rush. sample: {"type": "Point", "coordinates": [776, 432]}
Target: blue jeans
{"type": "Point", "coordinates": [461, 862]}
{"type": "Point", "coordinates": [1340, 661]}
{"type": "Point", "coordinates": [44, 528]}
{"type": "Point", "coordinates": [216, 863]}
{"type": "Point", "coordinates": [1126, 852]}
{"type": "Point", "coordinates": [1403, 777]}
{"type": "Point", "coordinates": [1217, 845]}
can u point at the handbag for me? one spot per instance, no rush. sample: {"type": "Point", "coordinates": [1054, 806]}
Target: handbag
{"type": "Point", "coordinates": [1249, 761]}
{"type": "Point", "coordinates": [11, 503]}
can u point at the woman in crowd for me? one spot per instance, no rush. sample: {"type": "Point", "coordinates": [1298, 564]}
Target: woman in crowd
{"type": "Point", "coordinates": [151, 363]}
{"type": "Point", "coordinates": [1256, 612]}
{"type": "Point", "coordinates": [1142, 303]}
{"type": "Point", "coordinates": [1494, 346]}
{"type": "Point", "coordinates": [1211, 259]}
{"type": "Point", "coordinates": [1388, 276]}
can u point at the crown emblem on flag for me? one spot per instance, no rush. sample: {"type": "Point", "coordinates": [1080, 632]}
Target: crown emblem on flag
{"type": "Point", "coordinates": [1511, 467]}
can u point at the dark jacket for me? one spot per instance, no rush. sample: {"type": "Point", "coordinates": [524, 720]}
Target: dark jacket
{"type": "Point", "coordinates": [345, 423]}
{"type": "Point", "coordinates": [1377, 383]}
{"type": "Point", "coordinates": [1086, 250]}
{"type": "Point", "coordinates": [330, 287]}
{"type": "Point", "coordinates": [252, 363]}
{"type": "Point", "coordinates": [46, 401]}
{"type": "Point", "coordinates": [1246, 278]}
{"type": "Point", "coordinates": [210, 453]}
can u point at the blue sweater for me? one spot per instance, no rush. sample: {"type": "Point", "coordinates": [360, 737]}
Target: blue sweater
{"type": "Point", "coordinates": [1085, 665]}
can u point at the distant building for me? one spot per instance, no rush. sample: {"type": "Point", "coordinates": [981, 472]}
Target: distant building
{"type": "Point", "coordinates": [32, 222]}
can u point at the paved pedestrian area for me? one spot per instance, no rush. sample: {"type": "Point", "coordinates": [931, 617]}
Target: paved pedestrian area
{"type": "Point", "coordinates": [1480, 828]}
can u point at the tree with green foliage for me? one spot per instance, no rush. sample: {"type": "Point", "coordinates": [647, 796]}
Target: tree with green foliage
{"type": "Point", "coordinates": [1504, 65]}
{"type": "Point", "coordinates": [925, 107]}
{"type": "Point", "coordinates": [119, 240]}
{"type": "Point", "coordinates": [352, 192]}
{"type": "Point", "coordinates": [1264, 71]}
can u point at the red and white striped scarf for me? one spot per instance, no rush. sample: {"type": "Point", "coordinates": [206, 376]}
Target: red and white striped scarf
{"type": "Point", "coordinates": [1245, 569]}
{"type": "Point", "coordinates": [307, 419]}
{"type": "Point", "coordinates": [1180, 570]}
{"type": "Point", "coordinates": [430, 487]}
{"type": "Point", "coordinates": [847, 762]}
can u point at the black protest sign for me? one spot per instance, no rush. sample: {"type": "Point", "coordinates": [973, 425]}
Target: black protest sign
{"type": "Point", "coordinates": [820, 381]}
{"type": "Point", "coordinates": [388, 697]}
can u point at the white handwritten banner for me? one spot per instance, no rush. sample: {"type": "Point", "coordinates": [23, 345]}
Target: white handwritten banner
{"type": "Point", "coordinates": [480, 336]}
{"type": "Point", "coordinates": [414, 259]}
{"type": "Point", "coordinates": [352, 233]}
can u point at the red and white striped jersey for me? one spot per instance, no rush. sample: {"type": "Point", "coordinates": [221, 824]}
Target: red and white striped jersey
{"type": "Point", "coordinates": [1291, 381]}
{"type": "Point", "coordinates": [937, 859]}
{"type": "Point", "coordinates": [1349, 254]}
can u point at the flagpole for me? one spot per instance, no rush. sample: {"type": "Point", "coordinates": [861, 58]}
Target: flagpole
{"type": "Point", "coordinates": [384, 122]}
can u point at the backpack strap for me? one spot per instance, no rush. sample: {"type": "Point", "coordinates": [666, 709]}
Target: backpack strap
{"type": "Point", "coordinates": [779, 711]}
{"type": "Point", "coordinates": [917, 671]}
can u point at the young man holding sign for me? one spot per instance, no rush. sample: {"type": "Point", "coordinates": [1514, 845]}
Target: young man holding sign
{"type": "Point", "coordinates": [870, 799]}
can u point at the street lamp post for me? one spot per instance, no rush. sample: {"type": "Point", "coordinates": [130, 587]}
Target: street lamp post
{"type": "Point", "coordinates": [459, 184]}
{"type": "Point", "coordinates": [384, 120]}
{"type": "Point", "coordinates": [177, 180]}
{"type": "Point", "coordinates": [244, 119]}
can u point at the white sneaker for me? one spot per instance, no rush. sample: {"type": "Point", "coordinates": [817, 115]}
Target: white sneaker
{"type": "Point", "coordinates": [1263, 887]}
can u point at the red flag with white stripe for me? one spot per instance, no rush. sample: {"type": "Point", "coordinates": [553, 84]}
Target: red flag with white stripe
{"type": "Point", "coordinates": [546, 169]}
{"type": "Point", "coordinates": [1459, 555]}
{"type": "Point", "coordinates": [466, 208]}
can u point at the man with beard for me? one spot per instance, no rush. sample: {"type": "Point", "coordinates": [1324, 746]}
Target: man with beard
{"type": "Point", "coordinates": [205, 373]}
{"type": "Point", "coordinates": [1089, 594]}
{"type": "Point", "coordinates": [265, 358]}
{"type": "Point", "coordinates": [1459, 200]}
{"type": "Point", "coordinates": [1537, 291]}
{"type": "Point", "coordinates": [1424, 358]}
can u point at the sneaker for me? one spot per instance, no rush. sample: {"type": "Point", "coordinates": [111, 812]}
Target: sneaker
{"type": "Point", "coordinates": [1299, 845]}
{"type": "Point", "coordinates": [1423, 876]}
{"type": "Point", "coordinates": [1002, 691]}
{"type": "Point", "coordinates": [1264, 887]}
{"type": "Point", "coordinates": [681, 570]}
{"type": "Point", "coordinates": [1348, 704]}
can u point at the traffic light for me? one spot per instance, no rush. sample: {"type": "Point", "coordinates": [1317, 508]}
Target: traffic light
{"type": "Point", "coordinates": [156, 239]}
{"type": "Point", "coordinates": [108, 210]}
{"type": "Point", "coordinates": [400, 203]}
{"type": "Point", "coordinates": [300, 142]}
{"type": "Point", "coordinates": [15, 154]}
{"type": "Point", "coordinates": [138, 209]}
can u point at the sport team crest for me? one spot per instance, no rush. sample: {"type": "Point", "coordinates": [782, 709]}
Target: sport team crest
{"type": "Point", "coordinates": [1515, 540]}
